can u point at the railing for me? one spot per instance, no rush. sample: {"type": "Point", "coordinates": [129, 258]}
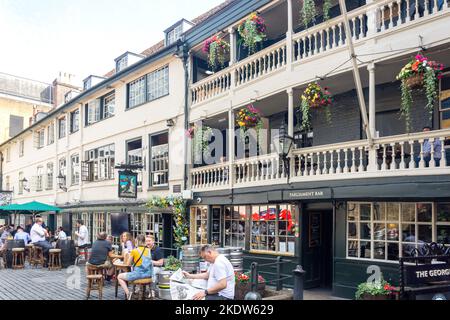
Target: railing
{"type": "Point", "coordinates": [371, 19]}
{"type": "Point", "coordinates": [266, 61]}
{"type": "Point", "coordinates": [421, 153]}
{"type": "Point", "coordinates": [259, 169]}
{"type": "Point", "coordinates": [211, 86]}
{"type": "Point", "coordinates": [210, 176]}
{"type": "Point", "coordinates": [330, 160]}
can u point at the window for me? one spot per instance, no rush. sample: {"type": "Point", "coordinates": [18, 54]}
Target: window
{"type": "Point", "coordinates": [39, 178]}
{"type": "Point", "coordinates": [8, 154]}
{"type": "Point", "coordinates": [39, 138]}
{"type": "Point", "coordinates": [7, 183]}
{"type": "Point", "coordinates": [272, 228]}
{"type": "Point", "coordinates": [99, 164]}
{"type": "Point", "coordinates": [444, 99]}
{"type": "Point", "coordinates": [51, 134]}
{"type": "Point", "coordinates": [158, 84]}
{"type": "Point", "coordinates": [199, 225]}
{"type": "Point", "coordinates": [21, 148]}
{"type": "Point", "coordinates": [387, 231]}
{"type": "Point", "coordinates": [134, 157]}
{"type": "Point", "coordinates": [109, 105]}
{"type": "Point", "coordinates": [234, 226]}
{"type": "Point", "coordinates": [20, 183]}
{"type": "Point", "coordinates": [93, 112]}
{"type": "Point", "coordinates": [62, 164]}
{"type": "Point", "coordinates": [136, 92]}
{"type": "Point", "coordinates": [87, 84]}
{"type": "Point", "coordinates": [159, 160]}
{"type": "Point", "coordinates": [122, 63]}
{"type": "Point", "coordinates": [99, 222]}
{"type": "Point", "coordinates": [75, 169]}
{"type": "Point", "coordinates": [148, 88]}
{"type": "Point", "coordinates": [49, 184]}
{"type": "Point", "coordinates": [75, 121]}
{"type": "Point", "coordinates": [174, 34]}
{"type": "Point", "coordinates": [62, 128]}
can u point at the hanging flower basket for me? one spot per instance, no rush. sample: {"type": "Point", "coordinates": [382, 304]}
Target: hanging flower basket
{"type": "Point", "coordinates": [200, 137]}
{"type": "Point", "coordinates": [252, 32]}
{"type": "Point", "coordinates": [315, 97]}
{"type": "Point", "coordinates": [217, 50]}
{"type": "Point", "coordinates": [249, 117]}
{"type": "Point", "coordinates": [419, 73]}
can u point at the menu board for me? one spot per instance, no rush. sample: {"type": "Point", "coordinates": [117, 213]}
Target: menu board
{"type": "Point", "coordinates": [315, 230]}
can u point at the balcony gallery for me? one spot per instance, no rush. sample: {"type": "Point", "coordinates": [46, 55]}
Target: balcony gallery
{"type": "Point", "coordinates": [333, 145]}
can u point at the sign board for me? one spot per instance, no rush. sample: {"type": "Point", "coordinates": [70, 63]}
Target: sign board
{"type": "Point", "coordinates": [127, 184]}
{"type": "Point", "coordinates": [5, 198]}
{"type": "Point", "coordinates": [427, 273]}
{"type": "Point", "coordinates": [315, 229]}
{"type": "Point", "coordinates": [308, 194]}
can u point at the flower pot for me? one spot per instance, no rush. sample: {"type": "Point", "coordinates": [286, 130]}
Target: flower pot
{"type": "Point", "coordinates": [367, 296]}
{"type": "Point", "coordinates": [243, 288]}
{"type": "Point", "coordinates": [415, 81]}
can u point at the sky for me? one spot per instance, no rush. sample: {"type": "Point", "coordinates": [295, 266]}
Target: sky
{"type": "Point", "coordinates": [40, 38]}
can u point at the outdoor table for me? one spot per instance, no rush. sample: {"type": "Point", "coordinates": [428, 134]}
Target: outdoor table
{"type": "Point", "coordinates": [120, 267]}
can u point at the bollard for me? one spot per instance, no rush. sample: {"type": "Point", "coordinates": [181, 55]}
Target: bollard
{"type": "Point", "coordinates": [299, 278]}
{"type": "Point", "coordinates": [279, 272]}
{"type": "Point", "coordinates": [253, 294]}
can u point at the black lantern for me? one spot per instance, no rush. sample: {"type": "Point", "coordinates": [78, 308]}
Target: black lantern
{"type": "Point", "coordinates": [24, 182]}
{"type": "Point", "coordinates": [284, 146]}
{"type": "Point", "coordinates": [61, 182]}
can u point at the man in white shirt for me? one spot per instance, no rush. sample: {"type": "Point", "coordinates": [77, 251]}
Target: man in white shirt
{"type": "Point", "coordinates": [83, 237]}
{"type": "Point", "coordinates": [220, 276]}
{"type": "Point", "coordinates": [37, 235]}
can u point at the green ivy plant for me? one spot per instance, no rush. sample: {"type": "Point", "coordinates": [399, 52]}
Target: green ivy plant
{"type": "Point", "coordinates": [431, 90]}
{"type": "Point", "coordinates": [178, 205]}
{"type": "Point", "coordinates": [326, 9]}
{"type": "Point", "coordinates": [308, 12]}
{"type": "Point", "coordinates": [172, 264]}
{"type": "Point", "coordinates": [406, 104]}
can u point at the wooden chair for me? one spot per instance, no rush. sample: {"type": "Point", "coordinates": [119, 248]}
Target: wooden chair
{"type": "Point", "coordinates": [54, 261]}
{"type": "Point", "coordinates": [37, 258]}
{"type": "Point", "coordinates": [95, 281]}
{"type": "Point", "coordinates": [18, 256]}
{"type": "Point", "coordinates": [29, 252]}
{"type": "Point", "coordinates": [142, 283]}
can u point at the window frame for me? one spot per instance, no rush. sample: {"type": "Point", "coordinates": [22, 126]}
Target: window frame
{"type": "Point", "coordinates": [75, 170]}
{"type": "Point", "coordinates": [150, 171]}
{"type": "Point", "coordinates": [21, 148]}
{"type": "Point", "coordinates": [62, 133]}
{"type": "Point", "coordinates": [51, 134]}
{"type": "Point", "coordinates": [49, 176]}
{"type": "Point", "coordinates": [103, 109]}
{"type": "Point", "coordinates": [39, 178]}
{"type": "Point", "coordinates": [75, 121]}
{"type": "Point", "coordinates": [96, 163]}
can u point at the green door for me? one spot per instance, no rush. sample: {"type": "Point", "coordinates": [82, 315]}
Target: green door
{"type": "Point", "coordinates": [317, 248]}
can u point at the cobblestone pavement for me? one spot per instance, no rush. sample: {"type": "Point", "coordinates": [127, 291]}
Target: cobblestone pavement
{"type": "Point", "coordinates": [41, 284]}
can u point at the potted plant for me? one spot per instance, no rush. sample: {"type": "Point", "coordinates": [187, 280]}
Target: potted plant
{"type": "Point", "coordinates": [244, 286]}
{"type": "Point", "coordinates": [380, 290]}
{"type": "Point", "coordinates": [315, 97]}
{"type": "Point", "coordinates": [249, 117]}
{"type": "Point", "coordinates": [419, 73]}
{"type": "Point", "coordinates": [217, 50]}
{"type": "Point", "coordinates": [252, 32]}
{"type": "Point", "coordinates": [200, 137]}
{"type": "Point", "coordinates": [308, 11]}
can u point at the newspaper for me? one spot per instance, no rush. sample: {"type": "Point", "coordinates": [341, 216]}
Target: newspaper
{"type": "Point", "coordinates": [185, 289]}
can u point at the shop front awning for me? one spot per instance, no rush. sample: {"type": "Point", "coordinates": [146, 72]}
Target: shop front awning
{"type": "Point", "coordinates": [29, 207]}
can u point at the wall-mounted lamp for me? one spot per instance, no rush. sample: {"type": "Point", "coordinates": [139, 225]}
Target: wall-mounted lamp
{"type": "Point", "coordinates": [170, 123]}
{"type": "Point", "coordinates": [62, 182]}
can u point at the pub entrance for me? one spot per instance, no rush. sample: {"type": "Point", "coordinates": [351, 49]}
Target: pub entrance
{"type": "Point", "coordinates": [317, 245]}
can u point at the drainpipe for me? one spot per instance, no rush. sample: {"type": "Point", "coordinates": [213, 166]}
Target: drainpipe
{"type": "Point", "coordinates": [1, 170]}
{"type": "Point", "coordinates": [185, 59]}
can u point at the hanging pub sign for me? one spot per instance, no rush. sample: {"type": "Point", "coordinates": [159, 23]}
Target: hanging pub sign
{"type": "Point", "coordinates": [427, 273]}
{"type": "Point", "coordinates": [5, 198]}
{"type": "Point", "coordinates": [127, 184]}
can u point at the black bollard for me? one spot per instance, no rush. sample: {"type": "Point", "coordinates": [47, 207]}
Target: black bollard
{"type": "Point", "coordinates": [253, 294]}
{"type": "Point", "coordinates": [299, 278]}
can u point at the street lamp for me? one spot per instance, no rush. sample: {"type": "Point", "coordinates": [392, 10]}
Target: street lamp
{"type": "Point", "coordinates": [61, 182]}
{"type": "Point", "coordinates": [24, 182]}
{"type": "Point", "coordinates": [284, 146]}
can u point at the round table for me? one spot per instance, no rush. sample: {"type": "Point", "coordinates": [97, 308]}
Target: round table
{"type": "Point", "coordinates": [119, 268]}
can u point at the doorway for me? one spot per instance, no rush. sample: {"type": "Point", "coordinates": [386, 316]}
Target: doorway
{"type": "Point", "coordinates": [317, 248]}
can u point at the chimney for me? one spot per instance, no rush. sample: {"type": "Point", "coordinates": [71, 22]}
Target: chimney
{"type": "Point", "coordinates": [63, 84]}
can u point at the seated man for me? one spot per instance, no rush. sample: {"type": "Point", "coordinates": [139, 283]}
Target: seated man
{"type": "Point", "coordinates": [157, 256]}
{"type": "Point", "coordinates": [38, 235]}
{"type": "Point", "coordinates": [101, 253]}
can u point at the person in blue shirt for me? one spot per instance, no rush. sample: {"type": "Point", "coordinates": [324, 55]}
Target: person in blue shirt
{"type": "Point", "coordinates": [22, 235]}
{"type": "Point", "coordinates": [428, 146]}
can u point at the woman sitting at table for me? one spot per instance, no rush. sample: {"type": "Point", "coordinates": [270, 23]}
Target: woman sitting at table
{"type": "Point", "coordinates": [142, 266]}
{"type": "Point", "coordinates": [126, 242]}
